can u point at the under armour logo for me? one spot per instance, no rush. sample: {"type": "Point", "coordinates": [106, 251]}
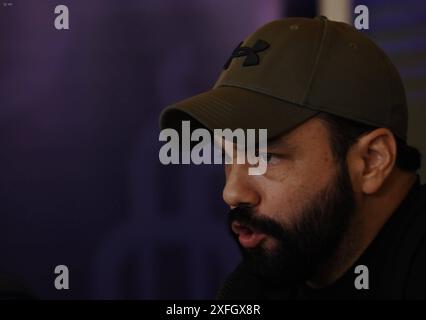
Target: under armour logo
{"type": "Point", "coordinates": [251, 53]}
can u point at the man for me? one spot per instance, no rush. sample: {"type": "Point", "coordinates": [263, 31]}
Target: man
{"type": "Point", "coordinates": [339, 212]}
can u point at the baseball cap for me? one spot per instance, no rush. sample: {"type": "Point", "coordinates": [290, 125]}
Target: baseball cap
{"type": "Point", "coordinates": [290, 70]}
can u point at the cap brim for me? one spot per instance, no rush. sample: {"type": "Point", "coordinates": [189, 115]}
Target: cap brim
{"type": "Point", "coordinates": [234, 107]}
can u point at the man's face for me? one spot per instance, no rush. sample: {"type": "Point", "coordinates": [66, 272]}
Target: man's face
{"type": "Point", "coordinates": [292, 218]}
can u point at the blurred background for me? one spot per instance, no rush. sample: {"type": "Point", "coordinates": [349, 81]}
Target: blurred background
{"type": "Point", "coordinates": [80, 180]}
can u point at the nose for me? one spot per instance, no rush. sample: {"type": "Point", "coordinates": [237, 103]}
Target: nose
{"type": "Point", "coordinates": [239, 189]}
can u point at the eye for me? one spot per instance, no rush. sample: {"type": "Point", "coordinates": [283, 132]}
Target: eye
{"type": "Point", "coordinates": [269, 158]}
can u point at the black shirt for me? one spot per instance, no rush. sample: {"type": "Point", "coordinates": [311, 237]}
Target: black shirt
{"type": "Point", "coordinates": [396, 263]}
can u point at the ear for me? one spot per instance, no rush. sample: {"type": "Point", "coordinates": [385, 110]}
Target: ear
{"type": "Point", "coordinates": [371, 159]}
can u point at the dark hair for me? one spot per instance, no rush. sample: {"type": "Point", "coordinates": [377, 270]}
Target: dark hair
{"type": "Point", "coordinates": [344, 133]}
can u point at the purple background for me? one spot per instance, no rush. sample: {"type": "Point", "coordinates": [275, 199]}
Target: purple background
{"type": "Point", "coordinates": [81, 183]}
{"type": "Point", "coordinates": [80, 180]}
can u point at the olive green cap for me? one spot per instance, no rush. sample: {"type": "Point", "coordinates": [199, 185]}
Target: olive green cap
{"type": "Point", "coordinates": [292, 69]}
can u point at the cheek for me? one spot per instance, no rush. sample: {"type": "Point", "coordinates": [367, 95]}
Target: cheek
{"type": "Point", "coordinates": [283, 199]}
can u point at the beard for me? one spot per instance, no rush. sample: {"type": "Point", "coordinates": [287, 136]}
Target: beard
{"type": "Point", "coordinates": [299, 249]}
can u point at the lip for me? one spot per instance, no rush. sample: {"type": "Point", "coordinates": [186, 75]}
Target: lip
{"type": "Point", "coordinates": [247, 237]}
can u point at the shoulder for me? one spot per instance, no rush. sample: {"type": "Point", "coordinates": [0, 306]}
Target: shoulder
{"type": "Point", "coordinates": [416, 278]}
{"type": "Point", "coordinates": [416, 273]}
{"type": "Point", "coordinates": [404, 273]}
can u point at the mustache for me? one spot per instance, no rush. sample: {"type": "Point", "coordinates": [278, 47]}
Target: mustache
{"type": "Point", "coordinates": [259, 223]}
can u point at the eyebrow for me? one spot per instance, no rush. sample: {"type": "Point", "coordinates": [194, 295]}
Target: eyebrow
{"type": "Point", "coordinates": [280, 141]}
{"type": "Point", "coordinates": [274, 142]}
